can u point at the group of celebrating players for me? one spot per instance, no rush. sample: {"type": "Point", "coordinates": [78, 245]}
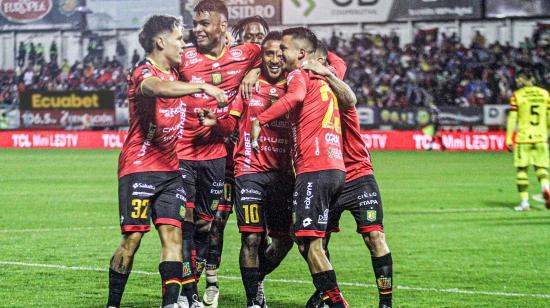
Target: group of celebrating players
{"type": "Point", "coordinates": [266, 128]}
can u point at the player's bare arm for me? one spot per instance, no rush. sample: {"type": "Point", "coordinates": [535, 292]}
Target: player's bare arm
{"type": "Point", "coordinates": [343, 92]}
{"type": "Point", "coordinates": [154, 87]}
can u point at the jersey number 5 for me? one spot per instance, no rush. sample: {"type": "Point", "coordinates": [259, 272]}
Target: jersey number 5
{"type": "Point", "coordinates": [536, 114]}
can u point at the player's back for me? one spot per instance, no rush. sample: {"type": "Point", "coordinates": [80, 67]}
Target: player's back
{"type": "Point", "coordinates": [531, 104]}
{"type": "Point", "coordinates": [316, 127]}
{"type": "Point", "coordinates": [356, 155]}
{"type": "Point", "coordinates": [155, 124]}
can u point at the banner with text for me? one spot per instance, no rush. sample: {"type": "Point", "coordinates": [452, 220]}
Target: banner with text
{"type": "Point", "coordinates": [404, 10]}
{"type": "Point", "coordinates": [67, 109]}
{"type": "Point", "coordinates": [375, 140]}
{"type": "Point", "coordinates": [270, 10]}
{"type": "Point", "coordinates": [39, 14]}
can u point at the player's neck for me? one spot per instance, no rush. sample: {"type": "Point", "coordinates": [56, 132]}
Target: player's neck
{"type": "Point", "coordinates": [216, 51]}
{"type": "Point", "coordinates": [160, 61]}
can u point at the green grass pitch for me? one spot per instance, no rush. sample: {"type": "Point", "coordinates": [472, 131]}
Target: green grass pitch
{"type": "Point", "coordinates": [455, 240]}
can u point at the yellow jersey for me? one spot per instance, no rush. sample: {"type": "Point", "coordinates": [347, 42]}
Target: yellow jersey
{"type": "Point", "coordinates": [531, 104]}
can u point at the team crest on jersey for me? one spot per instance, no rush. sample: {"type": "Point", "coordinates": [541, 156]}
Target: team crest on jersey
{"type": "Point", "coordinates": [371, 215]}
{"type": "Point", "coordinates": [217, 78]}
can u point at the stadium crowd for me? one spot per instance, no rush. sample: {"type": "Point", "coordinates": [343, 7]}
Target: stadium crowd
{"type": "Point", "coordinates": [427, 72]}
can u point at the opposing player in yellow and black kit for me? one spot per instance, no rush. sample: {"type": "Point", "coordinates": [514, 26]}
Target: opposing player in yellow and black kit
{"type": "Point", "coordinates": [530, 109]}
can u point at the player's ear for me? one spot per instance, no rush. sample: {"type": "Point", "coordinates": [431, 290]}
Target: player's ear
{"type": "Point", "coordinates": [160, 42]}
{"type": "Point", "coordinates": [302, 53]}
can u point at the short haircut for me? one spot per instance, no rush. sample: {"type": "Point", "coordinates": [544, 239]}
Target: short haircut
{"type": "Point", "coordinates": [154, 26]}
{"type": "Point", "coordinates": [322, 49]}
{"type": "Point", "coordinates": [218, 6]}
{"type": "Point", "coordinates": [305, 35]}
{"type": "Point", "coordinates": [272, 36]}
{"type": "Point", "coordinates": [238, 29]}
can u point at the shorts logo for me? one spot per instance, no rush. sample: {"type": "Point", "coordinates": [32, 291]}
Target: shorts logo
{"type": "Point", "coordinates": [186, 269]}
{"type": "Point", "coordinates": [250, 191]}
{"type": "Point", "coordinates": [182, 211]}
{"type": "Point", "coordinates": [121, 219]}
{"type": "Point", "coordinates": [142, 185]}
{"type": "Point", "coordinates": [306, 222]}
{"type": "Point", "coordinates": [371, 215]}
{"type": "Point", "coordinates": [309, 195]}
{"type": "Point", "coordinates": [384, 283]}
{"type": "Point", "coordinates": [323, 219]}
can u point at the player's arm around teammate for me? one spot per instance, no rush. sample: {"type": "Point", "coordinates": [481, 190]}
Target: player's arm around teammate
{"type": "Point", "coordinates": [149, 181]}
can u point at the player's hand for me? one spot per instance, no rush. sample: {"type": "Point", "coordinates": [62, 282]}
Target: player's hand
{"type": "Point", "coordinates": [207, 117]}
{"type": "Point", "coordinates": [510, 146]}
{"type": "Point", "coordinates": [254, 135]}
{"type": "Point", "coordinates": [250, 82]}
{"type": "Point", "coordinates": [316, 67]}
{"type": "Point", "coordinates": [217, 93]}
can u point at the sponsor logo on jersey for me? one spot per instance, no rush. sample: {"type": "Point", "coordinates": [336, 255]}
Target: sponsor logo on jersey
{"type": "Point", "coordinates": [215, 65]}
{"type": "Point", "coordinates": [371, 215]}
{"type": "Point", "coordinates": [367, 195]}
{"type": "Point", "coordinates": [273, 92]}
{"type": "Point", "coordinates": [255, 103]}
{"type": "Point", "coordinates": [196, 79]}
{"type": "Point", "coordinates": [217, 78]}
{"type": "Point", "coordinates": [236, 53]}
{"type": "Point", "coordinates": [233, 72]}
{"type": "Point", "coordinates": [332, 139]}
{"type": "Point", "coordinates": [191, 54]}
{"type": "Point", "coordinates": [368, 202]}
{"type": "Point", "coordinates": [335, 153]}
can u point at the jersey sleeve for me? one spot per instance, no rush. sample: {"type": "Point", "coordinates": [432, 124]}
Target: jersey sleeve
{"type": "Point", "coordinates": [141, 73]}
{"type": "Point", "coordinates": [237, 106]}
{"type": "Point", "coordinates": [338, 64]}
{"type": "Point", "coordinates": [295, 95]}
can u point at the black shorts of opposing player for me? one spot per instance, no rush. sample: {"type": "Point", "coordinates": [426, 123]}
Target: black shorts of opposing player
{"type": "Point", "coordinates": [314, 194]}
{"type": "Point", "coordinates": [263, 202]}
{"type": "Point", "coordinates": [146, 195]}
{"type": "Point", "coordinates": [203, 181]}
{"type": "Point", "coordinates": [362, 198]}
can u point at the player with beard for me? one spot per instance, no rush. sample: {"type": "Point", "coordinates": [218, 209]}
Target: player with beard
{"type": "Point", "coordinates": [248, 30]}
{"type": "Point", "coordinates": [317, 155]}
{"type": "Point", "coordinates": [360, 195]}
{"type": "Point", "coordinates": [264, 181]}
{"type": "Point", "coordinates": [201, 150]}
{"type": "Point", "coordinates": [149, 182]}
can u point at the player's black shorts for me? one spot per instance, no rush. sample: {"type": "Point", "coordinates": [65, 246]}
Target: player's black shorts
{"type": "Point", "coordinates": [314, 194]}
{"type": "Point", "coordinates": [203, 181]}
{"type": "Point", "coordinates": [263, 201]}
{"type": "Point", "coordinates": [146, 195]}
{"type": "Point", "coordinates": [362, 198]}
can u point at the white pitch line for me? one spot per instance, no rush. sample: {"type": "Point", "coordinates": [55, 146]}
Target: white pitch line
{"type": "Point", "coordinates": [352, 284]}
{"type": "Point", "coordinates": [55, 229]}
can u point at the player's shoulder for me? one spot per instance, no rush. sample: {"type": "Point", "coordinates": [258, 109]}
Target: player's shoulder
{"type": "Point", "coordinates": [243, 51]}
{"type": "Point", "coordinates": [144, 68]}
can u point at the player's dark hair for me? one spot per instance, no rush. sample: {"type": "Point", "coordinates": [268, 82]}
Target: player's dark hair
{"type": "Point", "coordinates": [238, 29]}
{"type": "Point", "coordinates": [218, 6]}
{"type": "Point", "coordinates": [305, 35]}
{"type": "Point", "coordinates": [322, 49]}
{"type": "Point", "coordinates": [272, 36]}
{"type": "Point", "coordinates": [154, 26]}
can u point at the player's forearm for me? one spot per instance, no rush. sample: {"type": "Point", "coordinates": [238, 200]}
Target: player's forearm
{"type": "Point", "coordinates": [511, 125]}
{"type": "Point", "coordinates": [173, 88]}
{"type": "Point", "coordinates": [344, 94]}
{"type": "Point", "coordinates": [284, 105]}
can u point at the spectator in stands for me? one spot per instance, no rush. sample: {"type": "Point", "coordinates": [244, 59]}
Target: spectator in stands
{"type": "Point", "coordinates": [135, 57]}
{"type": "Point", "coordinates": [22, 54]}
{"type": "Point", "coordinates": [53, 52]}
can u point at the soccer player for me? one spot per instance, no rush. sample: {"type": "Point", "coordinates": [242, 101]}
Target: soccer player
{"type": "Point", "coordinates": [251, 30]}
{"type": "Point", "coordinates": [248, 30]}
{"type": "Point", "coordinates": [149, 182]}
{"type": "Point", "coordinates": [360, 195]}
{"type": "Point", "coordinates": [529, 108]}
{"type": "Point", "coordinates": [264, 180]}
{"type": "Point", "coordinates": [201, 149]}
{"type": "Point", "coordinates": [317, 154]}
